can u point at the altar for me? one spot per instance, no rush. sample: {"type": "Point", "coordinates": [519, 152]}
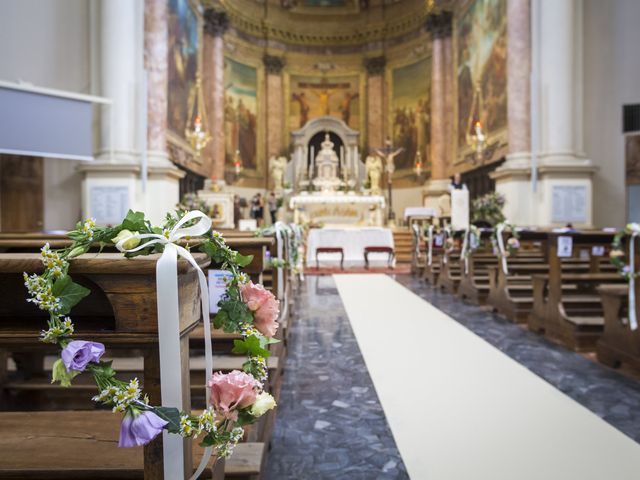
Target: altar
{"type": "Point", "coordinates": [352, 241]}
{"type": "Point", "coordinates": [338, 209]}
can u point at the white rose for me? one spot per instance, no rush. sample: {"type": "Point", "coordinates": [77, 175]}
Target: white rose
{"type": "Point", "coordinates": [264, 402]}
{"type": "Point", "coordinates": [124, 235]}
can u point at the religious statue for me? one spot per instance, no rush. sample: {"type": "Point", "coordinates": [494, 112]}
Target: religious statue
{"type": "Point", "coordinates": [277, 166]}
{"type": "Point", "coordinates": [373, 164]}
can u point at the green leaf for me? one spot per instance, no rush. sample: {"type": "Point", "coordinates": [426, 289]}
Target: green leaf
{"type": "Point", "coordinates": [69, 293]}
{"type": "Point", "coordinates": [171, 415]}
{"type": "Point", "coordinates": [243, 260]}
{"type": "Point", "coordinates": [250, 346]}
{"type": "Point", "coordinates": [135, 222]}
{"type": "Point", "coordinates": [220, 319]}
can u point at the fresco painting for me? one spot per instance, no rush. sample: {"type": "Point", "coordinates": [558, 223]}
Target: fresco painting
{"type": "Point", "coordinates": [241, 113]}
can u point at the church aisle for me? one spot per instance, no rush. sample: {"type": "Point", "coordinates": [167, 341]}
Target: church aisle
{"type": "Point", "coordinates": [459, 408]}
{"type": "Point", "coordinates": [330, 424]}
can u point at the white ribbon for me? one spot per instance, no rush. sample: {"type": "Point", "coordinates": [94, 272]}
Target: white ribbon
{"type": "Point", "coordinates": [465, 246]}
{"type": "Point", "coordinates": [445, 256]}
{"type": "Point", "coordinates": [633, 320]}
{"type": "Point", "coordinates": [430, 252]}
{"type": "Point", "coordinates": [169, 329]}
{"type": "Point", "coordinates": [501, 250]}
{"type": "Point", "coordinates": [279, 226]}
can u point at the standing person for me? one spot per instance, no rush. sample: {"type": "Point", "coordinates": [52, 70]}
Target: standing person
{"type": "Point", "coordinates": [272, 203]}
{"type": "Point", "coordinates": [456, 183]}
{"type": "Point", "coordinates": [257, 208]}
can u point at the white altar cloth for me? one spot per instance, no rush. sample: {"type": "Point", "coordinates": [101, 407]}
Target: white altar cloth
{"type": "Point", "coordinates": [338, 208]}
{"type": "Point", "coordinates": [352, 241]}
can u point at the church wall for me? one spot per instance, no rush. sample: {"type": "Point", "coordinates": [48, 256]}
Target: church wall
{"type": "Point", "coordinates": [53, 52]}
{"type": "Point", "coordinates": [611, 73]}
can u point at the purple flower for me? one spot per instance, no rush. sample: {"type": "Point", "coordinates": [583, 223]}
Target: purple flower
{"type": "Point", "coordinates": [139, 428]}
{"type": "Point", "coordinates": [77, 354]}
{"type": "Point", "coordinates": [626, 269]}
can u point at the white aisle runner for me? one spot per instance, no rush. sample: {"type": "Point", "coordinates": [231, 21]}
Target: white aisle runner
{"type": "Point", "coordinates": [460, 409]}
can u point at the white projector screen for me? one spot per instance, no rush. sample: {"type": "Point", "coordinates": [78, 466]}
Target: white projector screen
{"type": "Point", "coordinates": [45, 125]}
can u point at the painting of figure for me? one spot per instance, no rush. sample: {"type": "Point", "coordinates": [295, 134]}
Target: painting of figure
{"type": "Point", "coordinates": [410, 112]}
{"type": "Point", "coordinates": [241, 113]}
{"type": "Point", "coordinates": [183, 63]}
{"type": "Point", "coordinates": [313, 97]}
{"type": "Point", "coordinates": [482, 68]}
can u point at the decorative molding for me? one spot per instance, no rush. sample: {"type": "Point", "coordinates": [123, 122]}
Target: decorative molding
{"type": "Point", "coordinates": [216, 22]}
{"type": "Point", "coordinates": [375, 65]}
{"type": "Point", "coordinates": [273, 64]}
{"type": "Point", "coordinates": [439, 24]}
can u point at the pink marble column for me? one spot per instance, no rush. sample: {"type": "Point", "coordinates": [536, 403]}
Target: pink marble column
{"type": "Point", "coordinates": [449, 99]}
{"type": "Point", "coordinates": [216, 24]}
{"type": "Point", "coordinates": [518, 72]}
{"type": "Point", "coordinates": [375, 102]}
{"type": "Point", "coordinates": [156, 65]}
{"type": "Point", "coordinates": [440, 27]}
{"type": "Point", "coordinates": [274, 118]}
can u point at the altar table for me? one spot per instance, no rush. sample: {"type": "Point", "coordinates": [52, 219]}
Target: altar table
{"type": "Point", "coordinates": [339, 208]}
{"type": "Point", "coordinates": [352, 241]}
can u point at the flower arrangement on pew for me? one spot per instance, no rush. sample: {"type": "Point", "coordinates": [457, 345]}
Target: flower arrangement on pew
{"type": "Point", "coordinates": [236, 398]}
{"type": "Point", "coordinates": [472, 241]}
{"type": "Point", "coordinates": [293, 234]}
{"type": "Point", "coordinates": [513, 242]}
{"type": "Point", "coordinates": [617, 254]}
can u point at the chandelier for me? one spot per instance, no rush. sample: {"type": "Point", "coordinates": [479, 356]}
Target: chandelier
{"type": "Point", "coordinates": [197, 127]}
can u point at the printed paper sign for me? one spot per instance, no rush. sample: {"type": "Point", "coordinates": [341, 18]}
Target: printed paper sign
{"type": "Point", "coordinates": [565, 246]}
{"type": "Point", "coordinates": [438, 240]}
{"type": "Point", "coordinates": [217, 287]}
{"type": "Point", "coordinates": [597, 251]}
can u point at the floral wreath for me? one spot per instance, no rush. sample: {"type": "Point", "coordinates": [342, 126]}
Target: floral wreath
{"type": "Point", "coordinates": [617, 254]}
{"type": "Point", "coordinates": [236, 398]}
{"type": "Point", "coordinates": [513, 242]}
{"type": "Point", "coordinates": [473, 241]}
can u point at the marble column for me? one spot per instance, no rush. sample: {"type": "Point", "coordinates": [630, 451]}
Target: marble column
{"type": "Point", "coordinates": [156, 33]}
{"type": "Point", "coordinates": [375, 68]}
{"type": "Point", "coordinates": [518, 76]}
{"type": "Point", "coordinates": [274, 112]}
{"type": "Point", "coordinates": [441, 118]}
{"type": "Point", "coordinates": [439, 25]}
{"type": "Point", "coordinates": [216, 23]}
{"type": "Point", "coordinates": [545, 37]}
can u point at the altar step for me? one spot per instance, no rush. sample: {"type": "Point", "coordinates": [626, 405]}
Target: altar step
{"type": "Point", "coordinates": [403, 243]}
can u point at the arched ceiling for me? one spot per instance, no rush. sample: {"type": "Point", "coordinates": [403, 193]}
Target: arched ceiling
{"type": "Point", "coordinates": [326, 22]}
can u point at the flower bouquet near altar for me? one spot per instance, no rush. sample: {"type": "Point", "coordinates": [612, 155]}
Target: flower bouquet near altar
{"type": "Point", "coordinates": [235, 399]}
{"type": "Point", "coordinates": [486, 211]}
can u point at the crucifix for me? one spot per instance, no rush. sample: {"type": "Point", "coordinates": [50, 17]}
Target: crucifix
{"type": "Point", "coordinates": [388, 153]}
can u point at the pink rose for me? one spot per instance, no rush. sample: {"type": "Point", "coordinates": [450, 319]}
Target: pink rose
{"type": "Point", "coordinates": [233, 390]}
{"type": "Point", "coordinates": [264, 306]}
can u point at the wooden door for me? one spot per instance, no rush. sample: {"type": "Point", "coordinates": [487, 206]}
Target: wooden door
{"type": "Point", "coordinates": [21, 193]}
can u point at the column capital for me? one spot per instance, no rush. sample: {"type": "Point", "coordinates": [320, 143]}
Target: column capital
{"type": "Point", "coordinates": [216, 22]}
{"type": "Point", "coordinates": [273, 64]}
{"type": "Point", "coordinates": [375, 65]}
{"type": "Point", "coordinates": [439, 24]}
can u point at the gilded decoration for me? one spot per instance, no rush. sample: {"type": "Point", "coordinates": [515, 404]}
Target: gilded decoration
{"type": "Point", "coordinates": [481, 77]}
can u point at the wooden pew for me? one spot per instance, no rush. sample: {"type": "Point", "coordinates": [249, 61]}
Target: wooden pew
{"type": "Point", "coordinates": [618, 343]}
{"type": "Point", "coordinates": [120, 312]}
{"type": "Point", "coordinates": [246, 246]}
{"type": "Point", "coordinates": [450, 271]}
{"type": "Point", "coordinates": [573, 310]}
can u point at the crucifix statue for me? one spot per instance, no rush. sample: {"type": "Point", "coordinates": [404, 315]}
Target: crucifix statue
{"type": "Point", "coordinates": [388, 153]}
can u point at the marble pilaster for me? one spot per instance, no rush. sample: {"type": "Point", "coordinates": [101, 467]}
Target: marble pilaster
{"type": "Point", "coordinates": [156, 65]}
{"type": "Point", "coordinates": [375, 68]}
{"type": "Point", "coordinates": [449, 98]}
{"type": "Point", "coordinates": [216, 23]}
{"type": "Point", "coordinates": [518, 73]}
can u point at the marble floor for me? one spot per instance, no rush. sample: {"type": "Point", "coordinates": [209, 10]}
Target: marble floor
{"type": "Point", "coordinates": [330, 423]}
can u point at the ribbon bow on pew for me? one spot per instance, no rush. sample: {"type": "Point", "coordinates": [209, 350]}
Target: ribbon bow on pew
{"type": "Point", "coordinates": [169, 328]}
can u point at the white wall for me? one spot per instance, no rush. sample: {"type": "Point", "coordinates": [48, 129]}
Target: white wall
{"type": "Point", "coordinates": [46, 43]}
{"type": "Point", "coordinates": [611, 79]}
